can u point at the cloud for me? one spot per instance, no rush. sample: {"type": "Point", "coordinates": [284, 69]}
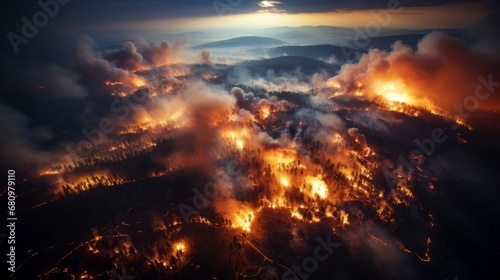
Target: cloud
{"type": "Point", "coordinates": [126, 58]}
{"type": "Point", "coordinates": [268, 4]}
{"type": "Point", "coordinates": [94, 67]}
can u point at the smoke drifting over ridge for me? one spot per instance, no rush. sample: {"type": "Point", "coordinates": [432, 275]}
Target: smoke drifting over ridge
{"type": "Point", "coordinates": [143, 55]}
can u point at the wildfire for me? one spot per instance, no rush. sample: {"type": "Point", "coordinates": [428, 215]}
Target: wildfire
{"type": "Point", "coordinates": [333, 84]}
{"type": "Point", "coordinates": [236, 137]}
{"type": "Point", "coordinates": [319, 187]}
{"type": "Point", "coordinates": [304, 184]}
{"type": "Point", "coordinates": [284, 182]}
{"type": "Point", "coordinates": [138, 81]}
{"type": "Point", "coordinates": [180, 246]}
{"type": "Point", "coordinates": [135, 80]}
{"type": "Point", "coordinates": [344, 217]}
{"type": "Point", "coordinates": [141, 67]}
{"type": "Point", "coordinates": [209, 76]}
{"type": "Point", "coordinates": [427, 258]}
{"type": "Point", "coordinates": [50, 172]}
{"type": "Point", "coordinates": [296, 214]}
{"type": "Point", "coordinates": [337, 138]}
{"type": "Point", "coordinates": [240, 215]}
{"type": "Point", "coordinates": [265, 111]}
{"type": "Point", "coordinates": [394, 91]}
{"type": "Point", "coordinates": [110, 83]}
{"type": "Point", "coordinates": [243, 220]}
{"type": "Point", "coordinates": [239, 144]}
{"type": "Point", "coordinates": [281, 156]}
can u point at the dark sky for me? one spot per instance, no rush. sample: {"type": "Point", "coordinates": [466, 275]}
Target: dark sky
{"type": "Point", "coordinates": [81, 16]}
{"type": "Point", "coordinates": [91, 12]}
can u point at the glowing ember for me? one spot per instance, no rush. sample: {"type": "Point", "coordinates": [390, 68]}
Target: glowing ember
{"type": "Point", "coordinates": [319, 187]}
{"type": "Point", "coordinates": [239, 144]}
{"type": "Point", "coordinates": [344, 217]}
{"type": "Point", "coordinates": [265, 112]}
{"type": "Point", "coordinates": [50, 172]}
{"type": "Point", "coordinates": [284, 182]}
{"type": "Point", "coordinates": [109, 83]}
{"type": "Point", "coordinates": [180, 246]}
{"type": "Point", "coordinates": [296, 214]}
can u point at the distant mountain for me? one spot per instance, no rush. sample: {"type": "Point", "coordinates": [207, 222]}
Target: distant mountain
{"type": "Point", "coordinates": [294, 36]}
{"type": "Point", "coordinates": [309, 35]}
{"type": "Point", "coordinates": [385, 42]}
{"type": "Point", "coordinates": [323, 52]}
{"type": "Point", "coordinates": [283, 64]}
{"type": "Point", "coordinates": [249, 41]}
{"type": "Point", "coordinates": [348, 50]}
{"type": "Point", "coordinates": [335, 35]}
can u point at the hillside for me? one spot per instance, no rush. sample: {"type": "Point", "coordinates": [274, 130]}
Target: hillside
{"type": "Point", "coordinates": [248, 41]}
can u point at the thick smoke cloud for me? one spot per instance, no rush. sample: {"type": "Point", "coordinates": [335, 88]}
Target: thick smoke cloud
{"type": "Point", "coordinates": [252, 103]}
{"type": "Point", "coordinates": [95, 68]}
{"type": "Point", "coordinates": [440, 73]}
{"type": "Point", "coordinates": [142, 55]}
{"type": "Point", "coordinates": [19, 148]}
{"type": "Point", "coordinates": [126, 58]}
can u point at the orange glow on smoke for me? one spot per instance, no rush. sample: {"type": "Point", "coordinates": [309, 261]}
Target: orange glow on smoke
{"type": "Point", "coordinates": [138, 81]}
{"type": "Point", "coordinates": [133, 80]}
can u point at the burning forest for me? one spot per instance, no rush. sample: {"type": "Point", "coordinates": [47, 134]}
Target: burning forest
{"type": "Point", "coordinates": [181, 163]}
